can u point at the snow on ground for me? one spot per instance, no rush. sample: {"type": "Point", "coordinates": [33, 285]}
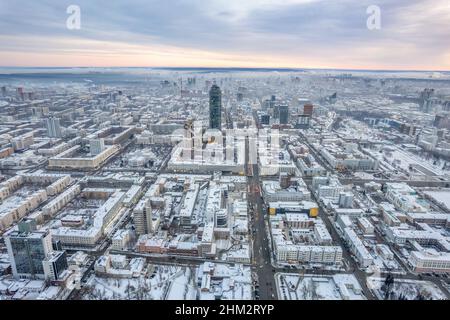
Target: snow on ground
{"type": "Point", "coordinates": [408, 289]}
{"type": "Point", "coordinates": [167, 282]}
{"type": "Point", "coordinates": [405, 159]}
{"type": "Point", "coordinates": [310, 287]}
{"type": "Point", "coordinates": [383, 264]}
{"type": "Point", "coordinates": [441, 196]}
{"type": "Point", "coordinates": [224, 281]}
{"type": "Point", "coordinates": [364, 175]}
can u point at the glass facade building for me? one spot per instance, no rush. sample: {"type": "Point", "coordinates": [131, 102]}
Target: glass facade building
{"type": "Point", "coordinates": [215, 108]}
{"type": "Point", "coordinates": [284, 114]}
{"type": "Point", "coordinates": [27, 251]}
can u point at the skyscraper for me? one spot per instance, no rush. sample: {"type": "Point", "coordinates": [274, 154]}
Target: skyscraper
{"type": "Point", "coordinates": [20, 93]}
{"type": "Point", "coordinates": [284, 114]}
{"type": "Point", "coordinates": [142, 214]}
{"type": "Point", "coordinates": [215, 107]}
{"type": "Point", "coordinates": [54, 128]}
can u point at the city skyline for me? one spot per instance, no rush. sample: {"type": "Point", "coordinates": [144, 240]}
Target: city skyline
{"type": "Point", "coordinates": [224, 184]}
{"type": "Point", "coordinates": [413, 35]}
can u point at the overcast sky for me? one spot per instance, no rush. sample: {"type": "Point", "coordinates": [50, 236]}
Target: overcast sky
{"type": "Point", "coordinates": [414, 34]}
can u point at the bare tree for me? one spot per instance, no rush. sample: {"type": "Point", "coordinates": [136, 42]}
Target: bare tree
{"type": "Point", "coordinates": [304, 291]}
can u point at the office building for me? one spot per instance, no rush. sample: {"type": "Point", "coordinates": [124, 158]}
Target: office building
{"type": "Point", "coordinates": [283, 114]}
{"type": "Point", "coordinates": [142, 214]}
{"type": "Point", "coordinates": [265, 119]}
{"type": "Point", "coordinates": [284, 180]}
{"type": "Point", "coordinates": [221, 218]}
{"type": "Point", "coordinates": [27, 249]}
{"type": "Point", "coordinates": [269, 104]}
{"type": "Point", "coordinates": [430, 261]}
{"type": "Point", "coordinates": [55, 264]}
{"type": "Point", "coordinates": [303, 121]}
{"type": "Point", "coordinates": [20, 93]}
{"type": "Point", "coordinates": [308, 109]}
{"type": "Point", "coordinates": [215, 107]}
{"type": "Point", "coordinates": [97, 146]}
{"type": "Point", "coordinates": [54, 128]}
{"type": "Point", "coordinates": [346, 200]}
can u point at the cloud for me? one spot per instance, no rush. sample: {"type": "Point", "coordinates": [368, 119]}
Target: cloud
{"type": "Point", "coordinates": [297, 32]}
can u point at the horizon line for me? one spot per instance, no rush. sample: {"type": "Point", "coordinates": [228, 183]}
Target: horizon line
{"type": "Point", "coordinates": [286, 69]}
